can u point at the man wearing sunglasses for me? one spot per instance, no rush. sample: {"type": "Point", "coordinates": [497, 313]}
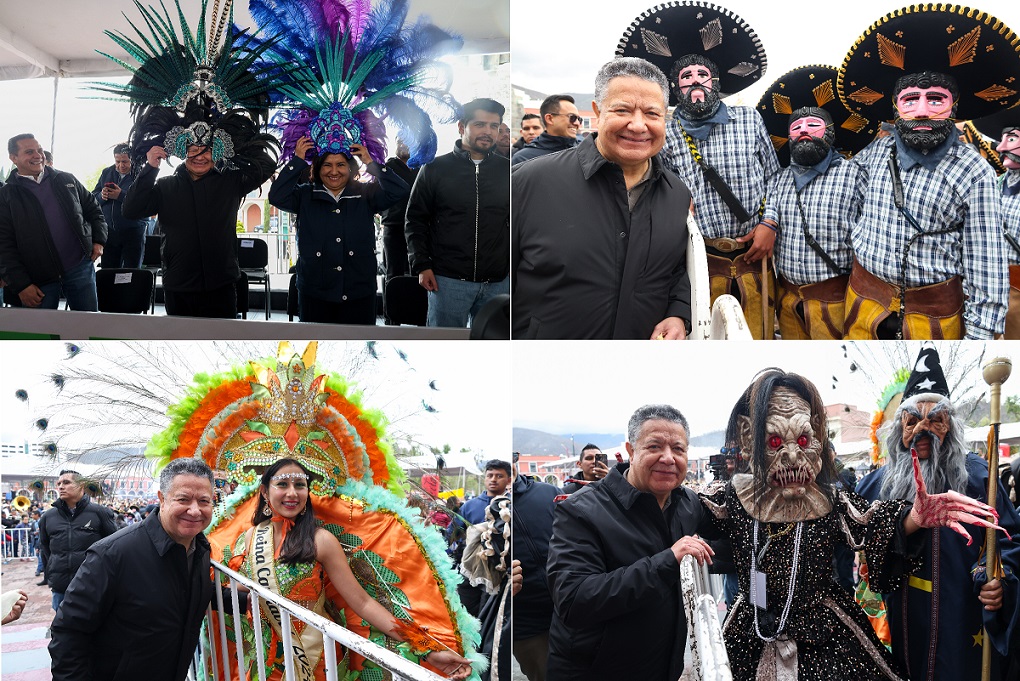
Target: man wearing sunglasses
{"type": "Point", "coordinates": [562, 123]}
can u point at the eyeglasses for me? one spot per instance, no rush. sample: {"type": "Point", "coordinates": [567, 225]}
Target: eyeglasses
{"type": "Point", "coordinates": [574, 118]}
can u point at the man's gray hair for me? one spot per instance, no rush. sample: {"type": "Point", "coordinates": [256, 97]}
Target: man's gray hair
{"type": "Point", "coordinates": [183, 466]}
{"type": "Point", "coordinates": [629, 66]}
{"type": "Point", "coordinates": [654, 412]}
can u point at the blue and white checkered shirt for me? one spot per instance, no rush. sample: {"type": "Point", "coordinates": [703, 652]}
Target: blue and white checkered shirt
{"type": "Point", "coordinates": [832, 203]}
{"type": "Point", "coordinates": [961, 193]}
{"type": "Point", "coordinates": [1011, 215]}
{"type": "Point", "coordinates": [741, 152]}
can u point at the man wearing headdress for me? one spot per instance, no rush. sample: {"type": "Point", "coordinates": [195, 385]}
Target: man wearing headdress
{"type": "Point", "coordinates": [930, 260]}
{"type": "Point", "coordinates": [936, 617]}
{"type": "Point", "coordinates": [197, 210]}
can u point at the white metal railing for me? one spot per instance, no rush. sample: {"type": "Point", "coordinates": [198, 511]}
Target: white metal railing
{"type": "Point", "coordinates": [17, 543]}
{"type": "Point", "coordinates": [212, 661]}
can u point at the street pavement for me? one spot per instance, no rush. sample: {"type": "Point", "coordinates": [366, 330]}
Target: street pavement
{"type": "Point", "coordinates": [23, 654]}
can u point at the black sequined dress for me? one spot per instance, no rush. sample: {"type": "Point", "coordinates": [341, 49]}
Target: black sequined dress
{"type": "Point", "coordinates": [830, 634]}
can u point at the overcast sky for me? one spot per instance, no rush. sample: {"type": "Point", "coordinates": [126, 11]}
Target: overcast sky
{"type": "Point", "coordinates": [594, 387]}
{"type": "Point", "coordinates": [558, 46]}
{"type": "Point", "coordinates": [472, 399]}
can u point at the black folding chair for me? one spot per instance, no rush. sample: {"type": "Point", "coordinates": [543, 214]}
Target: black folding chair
{"type": "Point", "coordinates": [253, 259]}
{"type": "Point", "coordinates": [124, 290]}
{"type": "Point", "coordinates": [406, 302]}
{"type": "Point", "coordinates": [241, 290]}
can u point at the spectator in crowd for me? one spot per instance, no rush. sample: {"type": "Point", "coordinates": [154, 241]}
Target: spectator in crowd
{"type": "Point", "coordinates": [36, 516]}
{"type": "Point", "coordinates": [51, 232]}
{"type": "Point", "coordinates": [336, 230]}
{"type": "Point", "coordinates": [503, 141]}
{"type": "Point", "coordinates": [144, 626]}
{"type": "Point", "coordinates": [614, 556]}
{"type": "Point", "coordinates": [67, 530]}
{"type": "Point", "coordinates": [497, 478]}
{"type": "Point", "coordinates": [532, 605]}
{"type": "Point", "coordinates": [125, 240]}
{"type": "Point", "coordinates": [49, 158]}
{"type": "Point", "coordinates": [394, 243]}
{"type": "Point", "coordinates": [197, 211]}
{"type": "Point", "coordinates": [531, 127]}
{"type": "Point", "coordinates": [600, 230]}
{"type": "Point", "coordinates": [562, 123]}
{"type": "Point", "coordinates": [593, 467]}
{"type": "Point", "coordinates": [457, 220]}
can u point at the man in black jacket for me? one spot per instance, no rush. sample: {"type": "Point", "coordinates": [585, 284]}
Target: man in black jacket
{"type": "Point", "coordinates": [197, 211]}
{"type": "Point", "coordinates": [561, 121]}
{"type": "Point", "coordinates": [125, 243]}
{"type": "Point", "coordinates": [51, 231]}
{"type": "Point", "coordinates": [67, 530]}
{"type": "Point", "coordinates": [614, 560]}
{"type": "Point", "coordinates": [457, 221]}
{"type": "Point", "coordinates": [600, 231]}
{"type": "Point", "coordinates": [135, 608]}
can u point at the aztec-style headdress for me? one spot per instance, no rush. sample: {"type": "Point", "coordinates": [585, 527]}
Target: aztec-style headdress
{"type": "Point", "coordinates": [665, 33]}
{"type": "Point", "coordinates": [210, 87]}
{"type": "Point", "coordinates": [242, 421]}
{"type": "Point", "coordinates": [980, 52]}
{"type": "Point", "coordinates": [887, 403]}
{"type": "Point", "coordinates": [358, 67]}
{"type": "Point", "coordinates": [810, 86]}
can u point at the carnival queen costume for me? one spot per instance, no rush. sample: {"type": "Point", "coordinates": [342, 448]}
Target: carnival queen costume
{"type": "Point", "coordinates": [240, 422]}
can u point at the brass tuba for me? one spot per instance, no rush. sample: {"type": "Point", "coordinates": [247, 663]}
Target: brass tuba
{"type": "Point", "coordinates": [711, 663]}
{"type": "Point", "coordinates": [21, 503]}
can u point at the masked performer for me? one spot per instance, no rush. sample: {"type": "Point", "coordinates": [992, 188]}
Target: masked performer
{"type": "Point", "coordinates": [359, 73]}
{"type": "Point", "coordinates": [1005, 126]}
{"type": "Point", "coordinates": [930, 261]}
{"type": "Point", "coordinates": [722, 153]}
{"type": "Point", "coordinates": [199, 97]}
{"type": "Point", "coordinates": [331, 528]}
{"type": "Point", "coordinates": [784, 518]}
{"type": "Point", "coordinates": [936, 617]}
{"type": "Point", "coordinates": [815, 199]}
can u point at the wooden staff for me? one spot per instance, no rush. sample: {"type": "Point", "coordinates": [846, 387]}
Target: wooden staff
{"type": "Point", "coordinates": [995, 373]}
{"type": "Point", "coordinates": [765, 335]}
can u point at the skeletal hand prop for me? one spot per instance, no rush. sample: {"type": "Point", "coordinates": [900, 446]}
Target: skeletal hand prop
{"type": "Point", "coordinates": [949, 509]}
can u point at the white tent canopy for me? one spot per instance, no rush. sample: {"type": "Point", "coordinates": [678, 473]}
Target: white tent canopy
{"type": "Point", "coordinates": [60, 38]}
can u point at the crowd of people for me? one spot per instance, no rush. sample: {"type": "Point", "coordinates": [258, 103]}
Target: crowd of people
{"type": "Point", "coordinates": [445, 218]}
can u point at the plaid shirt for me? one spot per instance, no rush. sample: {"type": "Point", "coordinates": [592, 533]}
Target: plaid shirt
{"type": "Point", "coordinates": [959, 193]}
{"type": "Point", "coordinates": [832, 203]}
{"type": "Point", "coordinates": [741, 152]}
{"type": "Point", "coordinates": [1011, 215]}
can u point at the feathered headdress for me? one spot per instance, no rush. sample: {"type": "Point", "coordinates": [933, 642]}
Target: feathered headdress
{"type": "Point", "coordinates": [210, 87]}
{"type": "Point", "coordinates": [357, 67]}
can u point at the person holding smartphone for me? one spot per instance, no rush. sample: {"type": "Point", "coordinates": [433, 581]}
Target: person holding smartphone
{"type": "Point", "coordinates": [593, 465]}
{"type": "Point", "coordinates": [125, 243]}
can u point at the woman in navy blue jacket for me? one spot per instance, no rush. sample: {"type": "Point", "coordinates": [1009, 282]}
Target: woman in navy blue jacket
{"type": "Point", "coordinates": [336, 230]}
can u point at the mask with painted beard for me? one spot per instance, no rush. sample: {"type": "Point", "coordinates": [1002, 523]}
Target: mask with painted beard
{"type": "Point", "coordinates": [929, 427]}
{"type": "Point", "coordinates": [811, 135]}
{"type": "Point", "coordinates": [698, 103]}
{"type": "Point", "coordinates": [935, 133]}
{"type": "Point", "coordinates": [694, 78]}
{"type": "Point", "coordinates": [1009, 148]}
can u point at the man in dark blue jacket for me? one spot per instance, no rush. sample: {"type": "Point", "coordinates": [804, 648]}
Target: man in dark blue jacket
{"type": "Point", "coordinates": [51, 231]}
{"type": "Point", "coordinates": [561, 121]}
{"type": "Point", "coordinates": [125, 242]}
{"type": "Point", "coordinates": [533, 606]}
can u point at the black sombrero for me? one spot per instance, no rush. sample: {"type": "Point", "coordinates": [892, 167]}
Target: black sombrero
{"type": "Point", "coordinates": [992, 126]}
{"type": "Point", "coordinates": [978, 50]}
{"type": "Point", "coordinates": [813, 85]}
{"type": "Point", "coordinates": [666, 32]}
{"type": "Point", "coordinates": [970, 134]}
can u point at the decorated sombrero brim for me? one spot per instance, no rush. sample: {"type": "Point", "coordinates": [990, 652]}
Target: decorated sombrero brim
{"type": "Point", "coordinates": [992, 126]}
{"type": "Point", "coordinates": [666, 32]}
{"type": "Point", "coordinates": [969, 134]}
{"type": "Point", "coordinates": [813, 85]}
{"type": "Point", "coordinates": [978, 50]}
